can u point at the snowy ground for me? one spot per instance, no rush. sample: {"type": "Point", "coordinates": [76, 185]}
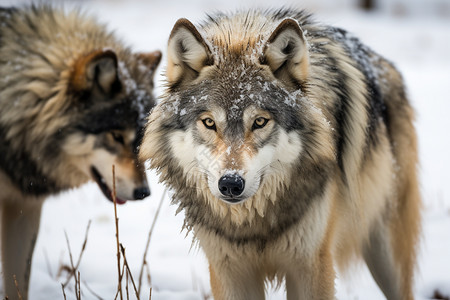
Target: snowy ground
{"type": "Point", "coordinates": [420, 47]}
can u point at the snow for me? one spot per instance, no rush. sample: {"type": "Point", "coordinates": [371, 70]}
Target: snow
{"type": "Point", "coordinates": [418, 45]}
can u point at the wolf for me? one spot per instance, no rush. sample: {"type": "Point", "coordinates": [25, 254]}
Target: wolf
{"type": "Point", "coordinates": [73, 101]}
{"type": "Point", "coordinates": [290, 146]}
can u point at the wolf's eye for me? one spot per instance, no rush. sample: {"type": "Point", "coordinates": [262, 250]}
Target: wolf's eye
{"type": "Point", "coordinates": [259, 123]}
{"type": "Point", "coordinates": [209, 123]}
{"type": "Point", "coordinates": [118, 138]}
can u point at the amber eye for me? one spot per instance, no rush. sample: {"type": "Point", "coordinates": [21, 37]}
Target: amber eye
{"type": "Point", "coordinates": [259, 123]}
{"type": "Point", "coordinates": [209, 123]}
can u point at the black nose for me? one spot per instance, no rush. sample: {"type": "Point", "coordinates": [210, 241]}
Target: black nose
{"type": "Point", "coordinates": [231, 185]}
{"type": "Point", "coordinates": [141, 193]}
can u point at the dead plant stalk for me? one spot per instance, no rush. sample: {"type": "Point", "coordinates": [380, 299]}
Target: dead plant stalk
{"type": "Point", "coordinates": [119, 286]}
{"type": "Point", "coordinates": [144, 260]}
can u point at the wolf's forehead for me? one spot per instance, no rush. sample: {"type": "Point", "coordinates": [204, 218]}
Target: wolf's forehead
{"type": "Point", "coordinates": [241, 33]}
{"type": "Point", "coordinates": [234, 104]}
{"type": "Point", "coordinates": [233, 88]}
{"type": "Point", "coordinates": [232, 94]}
{"type": "Point", "coordinates": [248, 95]}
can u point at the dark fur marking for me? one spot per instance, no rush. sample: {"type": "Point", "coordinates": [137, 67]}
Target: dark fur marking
{"type": "Point", "coordinates": [338, 82]}
{"type": "Point", "coordinates": [23, 171]}
{"type": "Point", "coordinates": [114, 117]}
{"type": "Point", "coordinates": [376, 107]}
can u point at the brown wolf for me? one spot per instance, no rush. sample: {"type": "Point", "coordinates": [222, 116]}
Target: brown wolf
{"type": "Point", "coordinates": [290, 146]}
{"type": "Point", "coordinates": [73, 100]}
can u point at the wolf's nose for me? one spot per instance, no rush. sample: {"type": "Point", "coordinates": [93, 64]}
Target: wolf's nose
{"type": "Point", "coordinates": [141, 192]}
{"type": "Point", "coordinates": [231, 185]}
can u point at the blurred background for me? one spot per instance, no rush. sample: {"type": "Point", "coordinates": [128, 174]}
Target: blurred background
{"type": "Point", "coordinates": [414, 34]}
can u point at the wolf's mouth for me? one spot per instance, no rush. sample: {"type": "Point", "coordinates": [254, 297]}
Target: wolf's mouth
{"type": "Point", "coordinates": [232, 200]}
{"type": "Point", "coordinates": [104, 187]}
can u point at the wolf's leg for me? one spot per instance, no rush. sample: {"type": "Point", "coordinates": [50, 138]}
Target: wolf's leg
{"type": "Point", "coordinates": [378, 255]}
{"type": "Point", "coordinates": [390, 256]}
{"type": "Point", "coordinates": [312, 280]}
{"type": "Point", "coordinates": [391, 250]}
{"type": "Point", "coordinates": [229, 285]}
{"type": "Point", "coordinates": [392, 270]}
{"type": "Point", "coordinates": [19, 229]}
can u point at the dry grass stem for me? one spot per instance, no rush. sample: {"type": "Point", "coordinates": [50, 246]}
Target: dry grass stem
{"type": "Point", "coordinates": [126, 285]}
{"type": "Point", "coordinates": [70, 251]}
{"type": "Point", "coordinates": [149, 276]}
{"type": "Point", "coordinates": [122, 266]}
{"type": "Point", "coordinates": [121, 278]}
{"type": "Point", "coordinates": [64, 292]}
{"type": "Point", "coordinates": [92, 291]}
{"type": "Point", "coordinates": [129, 271]}
{"type": "Point", "coordinates": [71, 263]}
{"type": "Point", "coordinates": [78, 286]}
{"type": "Point", "coordinates": [75, 268]}
{"type": "Point", "coordinates": [63, 268]}
{"type": "Point", "coordinates": [47, 263]}
{"type": "Point", "coordinates": [17, 287]}
{"type": "Point", "coordinates": [119, 285]}
{"type": "Point", "coordinates": [144, 260]}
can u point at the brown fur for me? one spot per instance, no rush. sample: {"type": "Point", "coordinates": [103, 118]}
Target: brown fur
{"type": "Point", "coordinates": [73, 100]}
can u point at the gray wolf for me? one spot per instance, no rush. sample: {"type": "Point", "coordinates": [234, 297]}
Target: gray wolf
{"type": "Point", "coordinates": [73, 103]}
{"type": "Point", "coordinates": [290, 146]}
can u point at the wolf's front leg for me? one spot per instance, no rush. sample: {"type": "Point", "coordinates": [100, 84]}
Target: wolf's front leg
{"type": "Point", "coordinates": [20, 226]}
{"type": "Point", "coordinates": [236, 283]}
{"type": "Point", "coordinates": [312, 279]}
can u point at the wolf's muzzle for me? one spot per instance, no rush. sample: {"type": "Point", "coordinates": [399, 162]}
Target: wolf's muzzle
{"type": "Point", "coordinates": [231, 186]}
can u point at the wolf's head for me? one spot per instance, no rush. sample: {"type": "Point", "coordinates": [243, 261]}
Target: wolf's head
{"type": "Point", "coordinates": [71, 124]}
{"type": "Point", "coordinates": [234, 121]}
{"type": "Point", "coordinates": [111, 96]}
{"type": "Point", "coordinates": [74, 101]}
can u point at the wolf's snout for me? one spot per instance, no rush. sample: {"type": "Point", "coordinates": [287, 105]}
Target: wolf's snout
{"type": "Point", "coordinates": [231, 185]}
{"type": "Point", "coordinates": [141, 193]}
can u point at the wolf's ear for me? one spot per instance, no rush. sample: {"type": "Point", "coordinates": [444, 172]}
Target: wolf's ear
{"type": "Point", "coordinates": [187, 52]}
{"type": "Point", "coordinates": [150, 60]}
{"type": "Point", "coordinates": [286, 52]}
{"type": "Point", "coordinates": [96, 70]}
